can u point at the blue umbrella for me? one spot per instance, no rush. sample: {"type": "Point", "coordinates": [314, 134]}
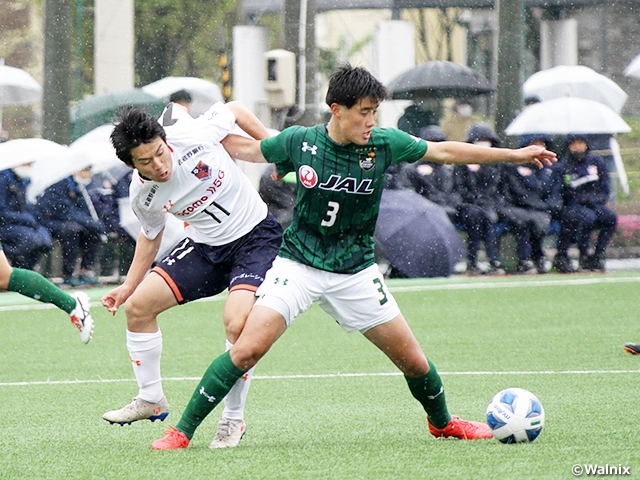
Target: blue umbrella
{"type": "Point", "coordinates": [417, 236]}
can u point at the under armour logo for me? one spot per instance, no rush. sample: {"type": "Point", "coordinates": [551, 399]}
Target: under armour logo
{"type": "Point", "coordinates": [169, 261]}
{"type": "Point", "coordinates": [284, 282]}
{"type": "Point", "coordinates": [210, 398]}
{"type": "Point", "coordinates": [306, 148]}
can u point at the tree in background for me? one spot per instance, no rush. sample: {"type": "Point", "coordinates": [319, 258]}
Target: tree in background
{"type": "Point", "coordinates": [181, 37]}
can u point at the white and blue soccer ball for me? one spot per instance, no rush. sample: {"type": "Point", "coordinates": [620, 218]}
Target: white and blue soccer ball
{"type": "Point", "coordinates": [515, 415]}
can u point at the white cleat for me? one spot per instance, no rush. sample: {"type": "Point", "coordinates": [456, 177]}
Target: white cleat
{"type": "Point", "coordinates": [81, 316]}
{"type": "Point", "coordinates": [230, 432]}
{"type": "Point", "coordinates": [138, 409]}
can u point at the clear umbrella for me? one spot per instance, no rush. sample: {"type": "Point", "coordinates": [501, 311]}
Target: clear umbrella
{"type": "Point", "coordinates": [575, 81]}
{"type": "Point", "coordinates": [17, 87]}
{"type": "Point", "coordinates": [95, 149]}
{"type": "Point", "coordinates": [633, 69]}
{"type": "Point", "coordinates": [567, 115]}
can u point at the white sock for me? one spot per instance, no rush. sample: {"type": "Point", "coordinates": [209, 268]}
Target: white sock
{"type": "Point", "coordinates": [237, 396]}
{"type": "Point", "coordinates": [145, 350]}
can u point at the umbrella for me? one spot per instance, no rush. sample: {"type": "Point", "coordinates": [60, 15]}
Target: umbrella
{"type": "Point", "coordinates": [633, 69]}
{"type": "Point", "coordinates": [17, 87]}
{"type": "Point", "coordinates": [575, 81]}
{"type": "Point", "coordinates": [203, 92]}
{"type": "Point", "coordinates": [98, 110]}
{"type": "Point", "coordinates": [25, 150]}
{"type": "Point", "coordinates": [52, 161]}
{"type": "Point", "coordinates": [567, 115]}
{"type": "Point", "coordinates": [417, 236]}
{"type": "Point", "coordinates": [439, 79]}
{"type": "Point", "coordinates": [95, 149]}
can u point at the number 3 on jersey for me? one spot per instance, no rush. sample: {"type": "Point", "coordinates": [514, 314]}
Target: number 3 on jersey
{"type": "Point", "coordinates": [332, 214]}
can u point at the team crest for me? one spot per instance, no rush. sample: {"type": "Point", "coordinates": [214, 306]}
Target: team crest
{"type": "Point", "coordinates": [368, 161]}
{"type": "Point", "coordinates": [307, 176]}
{"type": "Point", "coordinates": [202, 171]}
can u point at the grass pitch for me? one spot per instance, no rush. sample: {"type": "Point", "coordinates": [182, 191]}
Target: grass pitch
{"type": "Point", "coordinates": [327, 405]}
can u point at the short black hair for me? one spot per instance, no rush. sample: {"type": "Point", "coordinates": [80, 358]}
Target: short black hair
{"type": "Point", "coordinates": [348, 85]}
{"type": "Point", "coordinates": [133, 127]}
{"type": "Point", "coordinates": [180, 96]}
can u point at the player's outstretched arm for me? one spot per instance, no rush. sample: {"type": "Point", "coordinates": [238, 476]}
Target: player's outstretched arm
{"type": "Point", "coordinates": [247, 121]}
{"type": "Point", "coordinates": [243, 148]}
{"type": "Point", "coordinates": [145, 254]}
{"type": "Point", "coordinates": [460, 152]}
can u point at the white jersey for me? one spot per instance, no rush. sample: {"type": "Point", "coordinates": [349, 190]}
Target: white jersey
{"type": "Point", "coordinates": [206, 190]}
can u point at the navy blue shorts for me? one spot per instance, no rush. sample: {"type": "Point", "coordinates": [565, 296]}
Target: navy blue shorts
{"type": "Point", "coordinates": [195, 270]}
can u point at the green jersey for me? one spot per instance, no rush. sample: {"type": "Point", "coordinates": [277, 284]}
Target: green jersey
{"type": "Point", "coordinates": [338, 194]}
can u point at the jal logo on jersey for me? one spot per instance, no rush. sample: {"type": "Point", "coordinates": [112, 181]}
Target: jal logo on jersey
{"type": "Point", "coordinates": [202, 171]}
{"type": "Point", "coordinates": [307, 176]}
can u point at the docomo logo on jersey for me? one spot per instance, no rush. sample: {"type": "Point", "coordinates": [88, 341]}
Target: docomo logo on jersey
{"type": "Point", "coordinates": [204, 199]}
{"type": "Point", "coordinates": [308, 176]}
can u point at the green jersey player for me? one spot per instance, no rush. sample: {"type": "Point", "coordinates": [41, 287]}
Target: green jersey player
{"type": "Point", "coordinates": [327, 251]}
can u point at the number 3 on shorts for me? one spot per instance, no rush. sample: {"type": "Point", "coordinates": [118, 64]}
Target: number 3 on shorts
{"type": "Point", "coordinates": [332, 213]}
{"type": "Point", "coordinates": [380, 288]}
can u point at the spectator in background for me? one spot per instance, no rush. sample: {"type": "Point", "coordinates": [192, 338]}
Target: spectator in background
{"type": "Point", "coordinates": [106, 192]}
{"type": "Point", "coordinates": [181, 97]}
{"type": "Point", "coordinates": [585, 191]}
{"type": "Point", "coordinates": [24, 239]}
{"type": "Point", "coordinates": [527, 207]}
{"type": "Point", "coordinates": [67, 211]}
{"type": "Point", "coordinates": [417, 116]}
{"type": "Point", "coordinates": [531, 100]}
{"type": "Point", "coordinates": [434, 181]}
{"type": "Point", "coordinates": [457, 121]}
{"type": "Point", "coordinates": [478, 188]}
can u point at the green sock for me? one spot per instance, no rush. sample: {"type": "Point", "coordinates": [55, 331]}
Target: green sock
{"type": "Point", "coordinates": [216, 382]}
{"type": "Point", "coordinates": [428, 390]}
{"type": "Point", "coordinates": [34, 285]}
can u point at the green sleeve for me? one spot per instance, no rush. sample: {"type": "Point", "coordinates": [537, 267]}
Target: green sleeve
{"type": "Point", "coordinates": [405, 147]}
{"type": "Point", "coordinates": [275, 150]}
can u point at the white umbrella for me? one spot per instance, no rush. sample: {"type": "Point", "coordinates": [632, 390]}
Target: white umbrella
{"type": "Point", "coordinates": [52, 161]}
{"type": "Point", "coordinates": [567, 115]}
{"type": "Point", "coordinates": [575, 81]}
{"type": "Point", "coordinates": [203, 92]}
{"type": "Point", "coordinates": [17, 87]}
{"type": "Point", "coordinates": [25, 150]}
{"type": "Point", "coordinates": [633, 69]}
{"type": "Point", "coordinates": [94, 149]}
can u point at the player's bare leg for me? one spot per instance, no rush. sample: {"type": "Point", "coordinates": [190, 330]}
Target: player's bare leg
{"type": "Point", "coordinates": [144, 342]}
{"type": "Point", "coordinates": [397, 341]}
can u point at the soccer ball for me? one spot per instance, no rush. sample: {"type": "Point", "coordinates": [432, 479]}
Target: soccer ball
{"type": "Point", "coordinates": [515, 415]}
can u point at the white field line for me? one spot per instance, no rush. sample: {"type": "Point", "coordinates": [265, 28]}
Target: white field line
{"type": "Point", "coordinates": [414, 288]}
{"type": "Point", "coordinates": [455, 286]}
{"type": "Point", "coordinates": [324, 375]}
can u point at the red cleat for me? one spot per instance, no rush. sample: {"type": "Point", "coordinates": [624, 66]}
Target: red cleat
{"type": "Point", "coordinates": [462, 429]}
{"type": "Point", "coordinates": [173, 439]}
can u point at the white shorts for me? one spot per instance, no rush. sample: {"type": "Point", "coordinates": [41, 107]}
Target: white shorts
{"type": "Point", "coordinates": [358, 302]}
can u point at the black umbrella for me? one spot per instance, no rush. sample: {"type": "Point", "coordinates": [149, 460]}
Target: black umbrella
{"type": "Point", "coordinates": [417, 236]}
{"type": "Point", "coordinates": [438, 79]}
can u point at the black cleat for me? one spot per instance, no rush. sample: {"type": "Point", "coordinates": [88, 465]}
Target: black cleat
{"type": "Point", "coordinates": [632, 348]}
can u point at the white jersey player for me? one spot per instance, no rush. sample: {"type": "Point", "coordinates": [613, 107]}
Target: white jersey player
{"type": "Point", "coordinates": [182, 168]}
